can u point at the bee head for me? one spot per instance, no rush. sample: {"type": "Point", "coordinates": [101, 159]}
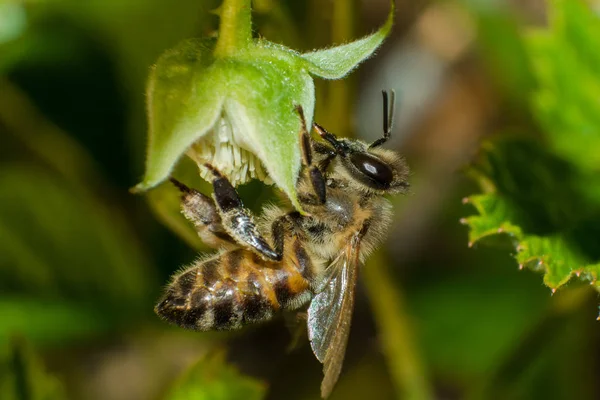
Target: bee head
{"type": "Point", "coordinates": [375, 169]}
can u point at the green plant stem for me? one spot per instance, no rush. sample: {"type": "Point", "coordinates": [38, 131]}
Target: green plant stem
{"type": "Point", "coordinates": [395, 330]}
{"type": "Point", "coordinates": [340, 93]}
{"type": "Point", "coordinates": [235, 27]}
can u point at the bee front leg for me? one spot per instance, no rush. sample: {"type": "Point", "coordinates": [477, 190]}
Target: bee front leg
{"type": "Point", "coordinates": [315, 175]}
{"type": "Point", "coordinates": [237, 220]}
{"type": "Point", "coordinates": [201, 211]}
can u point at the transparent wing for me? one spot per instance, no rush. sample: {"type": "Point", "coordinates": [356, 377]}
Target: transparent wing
{"type": "Point", "coordinates": [330, 313]}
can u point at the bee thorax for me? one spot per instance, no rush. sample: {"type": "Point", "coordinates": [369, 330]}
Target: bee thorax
{"type": "Point", "coordinates": [340, 209]}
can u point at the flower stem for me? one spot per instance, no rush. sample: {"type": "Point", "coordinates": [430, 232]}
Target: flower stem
{"type": "Point", "coordinates": [235, 27]}
{"type": "Point", "coordinates": [396, 333]}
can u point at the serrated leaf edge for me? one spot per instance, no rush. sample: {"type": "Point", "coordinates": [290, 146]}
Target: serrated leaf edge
{"type": "Point", "coordinates": [519, 242]}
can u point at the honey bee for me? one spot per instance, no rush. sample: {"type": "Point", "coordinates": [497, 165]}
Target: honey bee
{"type": "Point", "coordinates": [286, 259]}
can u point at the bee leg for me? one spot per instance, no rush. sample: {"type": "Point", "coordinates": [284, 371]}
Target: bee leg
{"type": "Point", "coordinates": [315, 175]}
{"type": "Point", "coordinates": [296, 324]}
{"type": "Point", "coordinates": [279, 231]}
{"type": "Point", "coordinates": [201, 211]}
{"type": "Point", "coordinates": [236, 219]}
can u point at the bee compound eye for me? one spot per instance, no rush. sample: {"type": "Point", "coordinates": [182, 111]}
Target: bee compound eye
{"type": "Point", "coordinates": [374, 169]}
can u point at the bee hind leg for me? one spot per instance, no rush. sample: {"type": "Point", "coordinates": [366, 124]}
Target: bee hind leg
{"type": "Point", "coordinates": [296, 324]}
{"type": "Point", "coordinates": [237, 220]}
{"type": "Point", "coordinates": [201, 211]}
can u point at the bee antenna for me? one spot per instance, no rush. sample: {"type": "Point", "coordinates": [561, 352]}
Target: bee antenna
{"type": "Point", "coordinates": [339, 147]}
{"type": "Point", "coordinates": [388, 117]}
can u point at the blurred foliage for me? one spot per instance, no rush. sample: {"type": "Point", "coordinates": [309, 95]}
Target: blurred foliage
{"type": "Point", "coordinates": [211, 379]}
{"type": "Point", "coordinates": [500, 40]}
{"type": "Point", "coordinates": [23, 377]}
{"type": "Point", "coordinates": [567, 112]}
{"type": "Point", "coordinates": [545, 196]}
{"type": "Point", "coordinates": [82, 261]}
{"type": "Point", "coordinates": [68, 263]}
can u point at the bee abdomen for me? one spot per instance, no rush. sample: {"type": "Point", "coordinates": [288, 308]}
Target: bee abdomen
{"type": "Point", "coordinates": [222, 293]}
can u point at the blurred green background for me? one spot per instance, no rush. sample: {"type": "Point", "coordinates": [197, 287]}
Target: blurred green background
{"type": "Point", "coordinates": [499, 97]}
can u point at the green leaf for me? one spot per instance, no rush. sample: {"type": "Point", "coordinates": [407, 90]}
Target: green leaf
{"type": "Point", "coordinates": [212, 379]}
{"type": "Point", "coordinates": [22, 376]}
{"type": "Point", "coordinates": [544, 195]}
{"type": "Point", "coordinates": [339, 61]}
{"type": "Point", "coordinates": [568, 110]}
{"type": "Point", "coordinates": [534, 198]}
{"type": "Point", "coordinates": [553, 254]}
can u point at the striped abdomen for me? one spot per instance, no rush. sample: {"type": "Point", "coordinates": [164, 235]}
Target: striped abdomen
{"type": "Point", "coordinates": [236, 288]}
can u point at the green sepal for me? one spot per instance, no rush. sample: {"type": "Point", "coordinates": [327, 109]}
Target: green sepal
{"type": "Point", "coordinates": [255, 90]}
{"type": "Point", "coordinates": [337, 62]}
{"type": "Point", "coordinates": [182, 105]}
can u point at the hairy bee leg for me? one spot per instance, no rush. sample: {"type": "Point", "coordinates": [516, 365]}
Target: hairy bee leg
{"type": "Point", "coordinates": [296, 325]}
{"type": "Point", "coordinates": [201, 211]}
{"type": "Point", "coordinates": [278, 234]}
{"type": "Point", "coordinates": [278, 229]}
{"type": "Point", "coordinates": [315, 175]}
{"type": "Point", "coordinates": [237, 220]}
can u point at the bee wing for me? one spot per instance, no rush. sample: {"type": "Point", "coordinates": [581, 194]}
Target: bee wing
{"type": "Point", "coordinates": [330, 313]}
